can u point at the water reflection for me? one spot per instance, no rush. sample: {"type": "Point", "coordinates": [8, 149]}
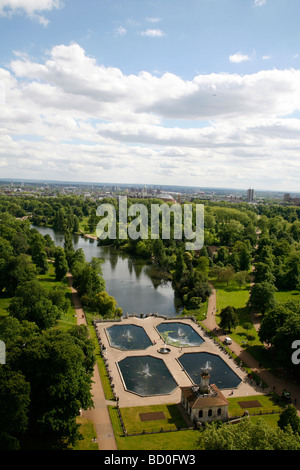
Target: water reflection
{"type": "Point", "coordinates": [127, 279]}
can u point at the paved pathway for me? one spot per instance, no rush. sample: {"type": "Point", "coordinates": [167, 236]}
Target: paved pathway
{"type": "Point", "coordinates": [99, 415]}
{"type": "Point", "coordinates": [274, 383]}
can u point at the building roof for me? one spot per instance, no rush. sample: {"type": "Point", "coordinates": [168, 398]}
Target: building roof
{"type": "Point", "coordinates": [198, 400]}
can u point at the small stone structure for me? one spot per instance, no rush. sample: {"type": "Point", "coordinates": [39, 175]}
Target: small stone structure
{"type": "Point", "coordinates": [204, 402]}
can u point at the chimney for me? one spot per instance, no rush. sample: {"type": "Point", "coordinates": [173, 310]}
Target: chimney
{"type": "Point", "coordinates": [204, 385]}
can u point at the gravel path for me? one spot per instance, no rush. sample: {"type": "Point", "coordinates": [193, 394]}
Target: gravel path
{"type": "Point", "coordinates": [99, 415]}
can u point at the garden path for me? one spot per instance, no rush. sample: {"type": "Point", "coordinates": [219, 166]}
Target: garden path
{"type": "Point", "coordinates": [275, 383]}
{"type": "Point", "coordinates": [99, 415]}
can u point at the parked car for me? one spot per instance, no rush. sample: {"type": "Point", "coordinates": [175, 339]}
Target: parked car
{"type": "Point", "coordinates": [227, 340]}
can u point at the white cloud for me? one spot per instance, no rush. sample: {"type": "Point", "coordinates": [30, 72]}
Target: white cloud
{"type": "Point", "coordinates": [153, 20]}
{"type": "Point", "coordinates": [86, 121]}
{"type": "Point", "coordinates": [121, 31]}
{"type": "Point", "coordinates": [153, 33]}
{"type": "Point", "coordinates": [238, 57]}
{"type": "Point", "coordinates": [31, 8]}
{"type": "Point", "coordinates": [259, 3]}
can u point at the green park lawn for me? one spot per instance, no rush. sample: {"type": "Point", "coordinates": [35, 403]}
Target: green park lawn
{"type": "Point", "coordinates": [172, 418]}
{"type": "Point", "coordinates": [284, 296]}
{"type": "Point", "coordinates": [177, 440]}
{"type": "Point", "coordinates": [88, 432]}
{"type": "Point", "coordinates": [233, 296]}
{"type": "Point", "coordinates": [83, 226]}
{"type": "Point", "coordinates": [267, 405]}
{"type": "Point", "coordinates": [4, 303]}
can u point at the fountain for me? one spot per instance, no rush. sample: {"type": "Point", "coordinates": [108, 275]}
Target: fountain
{"type": "Point", "coordinates": [179, 334]}
{"type": "Point", "coordinates": [145, 372]}
{"type": "Point", "coordinates": [220, 373]}
{"type": "Point", "coordinates": [207, 367]}
{"type": "Point", "coordinates": [146, 376]}
{"type": "Point", "coordinates": [127, 334]}
{"type": "Point", "coordinates": [164, 349]}
{"type": "Point", "coordinates": [128, 337]}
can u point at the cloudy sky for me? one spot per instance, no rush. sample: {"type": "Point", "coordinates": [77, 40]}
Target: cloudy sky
{"type": "Point", "coordinates": [195, 92]}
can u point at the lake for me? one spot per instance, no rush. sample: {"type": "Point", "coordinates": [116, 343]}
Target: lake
{"type": "Point", "coordinates": [127, 279]}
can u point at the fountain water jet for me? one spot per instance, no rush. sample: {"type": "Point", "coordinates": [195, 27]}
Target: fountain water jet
{"type": "Point", "coordinates": [145, 372]}
{"type": "Point", "coordinates": [146, 376]}
{"type": "Point", "coordinates": [164, 350]}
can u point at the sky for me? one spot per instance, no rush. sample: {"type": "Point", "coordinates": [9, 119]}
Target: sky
{"type": "Point", "coordinates": [201, 93]}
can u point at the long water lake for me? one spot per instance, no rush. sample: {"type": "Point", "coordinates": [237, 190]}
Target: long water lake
{"type": "Point", "coordinates": [127, 279]}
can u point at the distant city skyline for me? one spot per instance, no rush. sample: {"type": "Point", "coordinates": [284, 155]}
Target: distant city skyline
{"type": "Point", "coordinates": [201, 93]}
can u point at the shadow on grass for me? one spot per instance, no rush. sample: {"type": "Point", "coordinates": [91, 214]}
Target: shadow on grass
{"type": "Point", "coordinates": [176, 417]}
{"type": "Point", "coordinates": [259, 353]}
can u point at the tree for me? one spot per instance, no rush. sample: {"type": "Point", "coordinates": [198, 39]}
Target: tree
{"type": "Point", "coordinates": [203, 264]}
{"type": "Point", "coordinates": [245, 259]}
{"type": "Point", "coordinates": [226, 274]}
{"type": "Point", "coordinates": [159, 253]}
{"type": "Point", "coordinates": [119, 312]}
{"type": "Point", "coordinates": [38, 253]}
{"type": "Point", "coordinates": [263, 272]}
{"type": "Point", "coordinates": [60, 264]}
{"type": "Point", "coordinates": [288, 417]}
{"type": "Point", "coordinates": [179, 266]}
{"type": "Point", "coordinates": [241, 278]}
{"type": "Point", "coordinates": [92, 221]}
{"type": "Point", "coordinates": [15, 401]}
{"type": "Point", "coordinates": [262, 296]}
{"type": "Point", "coordinates": [17, 271]}
{"type": "Point", "coordinates": [104, 304]}
{"type": "Point", "coordinates": [60, 220]}
{"type": "Point", "coordinates": [33, 304]}
{"type": "Point", "coordinates": [20, 243]}
{"type": "Point", "coordinates": [6, 249]}
{"type": "Point", "coordinates": [274, 319]}
{"type": "Point", "coordinates": [222, 256]}
{"type": "Point", "coordinates": [60, 377]}
{"type": "Point", "coordinates": [229, 318]}
{"type": "Point", "coordinates": [88, 279]}
{"type": "Point", "coordinates": [68, 247]}
{"type": "Point", "coordinates": [248, 435]}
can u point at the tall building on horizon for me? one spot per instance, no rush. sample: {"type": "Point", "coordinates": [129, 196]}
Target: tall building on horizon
{"type": "Point", "coordinates": [250, 195]}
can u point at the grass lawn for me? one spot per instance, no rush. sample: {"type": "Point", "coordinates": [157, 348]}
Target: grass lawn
{"type": "Point", "coordinates": [178, 440]}
{"type": "Point", "coordinates": [4, 303]}
{"type": "Point", "coordinates": [133, 423]}
{"type": "Point", "coordinates": [245, 333]}
{"type": "Point", "coordinates": [83, 226]}
{"type": "Point", "coordinates": [231, 295]}
{"type": "Point", "coordinates": [88, 432]}
{"type": "Point", "coordinates": [267, 402]}
{"type": "Point", "coordinates": [234, 296]}
{"type": "Point", "coordinates": [199, 313]}
{"type": "Point", "coordinates": [284, 296]}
